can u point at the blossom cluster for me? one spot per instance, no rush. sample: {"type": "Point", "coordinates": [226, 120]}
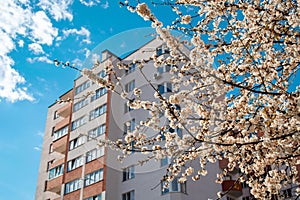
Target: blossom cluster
{"type": "Point", "coordinates": [233, 97]}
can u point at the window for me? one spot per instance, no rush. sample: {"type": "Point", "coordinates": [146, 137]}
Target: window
{"type": "Point", "coordinates": [56, 171]}
{"type": "Point", "coordinates": [99, 92]}
{"type": "Point", "coordinates": [75, 163]}
{"type": "Point", "coordinates": [102, 74]}
{"type": "Point", "coordinates": [97, 112]}
{"type": "Point", "coordinates": [164, 68]}
{"type": "Point", "coordinates": [127, 108]}
{"type": "Point", "coordinates": [130, 86]}
{"type": "Point", "coordinates": [82, 87]}
{"type": "Point", "coordinates": [129, 126]}
{"type": "Point", "coordinates": [165, 87]}
{"type": "Point", "coordinates": [162, 50]}
{"type": "Point", "coordinates": [76, 142]}
{"type": "Point", "coordinates": [51, 148]}
{"type": "Point", "coordinates": [244, 185]}
{"type": "Point", "coordinates": [97, 197]}
{"type": "Point", "coordinates": [100, 130]}
{"type": "Point", "coordinates": [128, 173]}
{"type": "Point", "coordinates": [94, 154]}
{"type": "Point", "coordinates": [72, 186]}
{"type": "Point", "coordinates": [80, 104]}
{"type": "Point", "coordinates": [229, 198]}
{"type": "Point", "coordinates": [55, 115]}
{"type": "Point", "coordinates": [49, 164]}
{"type": "Point", "coordinates": [61, 132]}
{"type": "Point", "coordinates": [130, 69]}
{"type": "Point", "coordinates": [78, 122]}
{"type": "Point", "coordinates": [93, 177]}
{"type": "Point", "coordinates": [128, 195]}
{"type": "Point", "coordinates": [164, 161]}
{"type": "Point", "coordinates": [174, 186]}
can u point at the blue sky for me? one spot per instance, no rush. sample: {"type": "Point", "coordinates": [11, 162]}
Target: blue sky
{"type": "Point", "coordinates": [32, 34]}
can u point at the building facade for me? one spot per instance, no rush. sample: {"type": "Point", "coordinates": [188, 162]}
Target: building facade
{"type": "Point", "coordinates": [74, 166]}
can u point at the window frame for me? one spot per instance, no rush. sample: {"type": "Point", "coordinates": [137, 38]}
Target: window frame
{"type": "Point", "coordinates": [74, 164]}
{"type": "Point", "coordinates": [93, 177]}
{"type": "Point", "coordinates": [97, 112]}
{"type": "Point", "coordinates": [128, 173]}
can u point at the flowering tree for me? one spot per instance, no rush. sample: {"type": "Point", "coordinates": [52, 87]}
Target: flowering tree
{"type": "Point", "coordinates": [233, 91]}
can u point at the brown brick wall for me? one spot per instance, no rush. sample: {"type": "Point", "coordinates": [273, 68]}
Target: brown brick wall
{"type": "Point", "coordinates": [54, 184]}
{"type": "Point", "coordinates": [61, 123]}
{"type": "Point", "coordinates": [93, 189]}
{"type": "Point", "coordinates": [75, 195]}
{"type": "Point", "coordinates": [94, 165]}
{"type": "Point", "coordinates": [57, 163]}
{"type": "Point", "coordinates": [74, 174]}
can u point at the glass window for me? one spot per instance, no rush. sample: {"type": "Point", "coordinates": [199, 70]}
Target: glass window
{"type": "Point", "coordinates": [75, 163]}
{"type": "Point", "coordinates": [80, 104]}
{"type": "Point", "coordinates": [94, 154]}
{"type": "Point", "coordinates": [130, 69]}
{"type": "Point", "coordinates": [78, 122]}
{"type": "Point", "coordinates": [49, 164]}
{"type": "Point", "coordinates": [99, 92]}
{"type": "Point", "coordinates": [100, 130]}
{"type": "Point", "coordinates": [128, 173]}
{"type": "Point", "coordinates": [129, 126]}
{"type": "Point", "coordinates": [56, 115]}
{"type": "Point", "coordinates": [72, 186]}
{"type": "Point", "coordinates": [93, 177]}
{"type": "Point", "coordinates": [82, 87]}
{"type": "Point", "coordinates": [164, 87]}
{"type": "Point", "coordinates": [56, 171]}
{"type": "Point", "coordinates": [97, 197]}
{"type": "Point", "coordinates": [51, 148]}
{"type": "Point", "coordinates": [60, 133]}
{"type": "Point", "coordinates": [97, 112]}
{"type": "Point", "coordinates": [102, 74]}
{"type": "Point", "coordinates": [76, 142]}
{"type": "Point", "coordinates": [130, 86]}
{"type": "Point", "coordinates": [128, 195]}
{"type": "Point", "coordinates": [174, 186]}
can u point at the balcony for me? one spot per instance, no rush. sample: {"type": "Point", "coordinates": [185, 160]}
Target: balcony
{"type": "Point", "coordinates": [60, 144]}
{"type": "Point", "coordinates": [65, 111]}
{"type": "Point", "coordinates": [54, 185]}
{"type": "Point", "coordinates": [234, 188]}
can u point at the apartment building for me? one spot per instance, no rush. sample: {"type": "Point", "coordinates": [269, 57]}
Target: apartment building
{"type": "Point", "coordinates": [74, 167]}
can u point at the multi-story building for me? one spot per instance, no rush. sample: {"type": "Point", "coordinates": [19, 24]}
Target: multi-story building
{"type": "Point", "coordinates": [74, 167]}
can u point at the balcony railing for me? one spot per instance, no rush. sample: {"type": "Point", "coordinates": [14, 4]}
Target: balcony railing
{"type": "Point", "coordinates": [65, 111]}
{"type": "Point", "coordinates": [60, 144]}
{"type": "Point", "coordinates": [54, 185]}
{"type": "Point", "coordinates": [233, 187]}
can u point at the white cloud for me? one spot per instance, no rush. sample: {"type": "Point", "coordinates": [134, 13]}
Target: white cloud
{"type": "Point", "coordinates": [83, 32]}
{"type": "Point", "coordinates": [38, 148]}
{"type": "Point", "coordinates": [57, 8]}
{"type": "Point", "coordinates": [44, 59]}
{"type": "Point", "coordinates": [42, 29]}
{"type": "Point", "coordinates": [36, 48]}
{"type": "Point", "coordinates": [105, 5]}
{"type": "Point", "coordinates": [40, 134]}
{"type": "Point", "coordinates": [10, 81]}
{"type": "Point", "coordinates": [21, 43]}
{"type": "Point", "coordinates": [89, 2]}
{"type": "Point", "coordinates": [77, 62]}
